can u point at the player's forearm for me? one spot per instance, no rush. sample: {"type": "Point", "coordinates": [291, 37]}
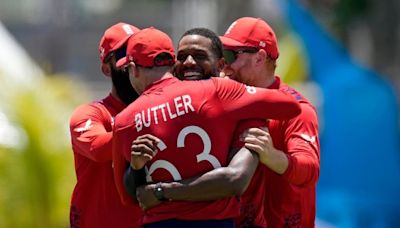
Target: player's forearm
{"type": "Point", "coordinates": [133, 179]}
{"type": "Point", "coordinates": [303, 170]}
{"type": "Point", "coordinates": [303, 148]}
{"type": "Point", "coordinates": [299, 169]}
{"type": "Point", "coordinates": [218, 183]}
{"type": "Point", "coordinates": [276, 160]}
{"type": "Point", "coordinates": [97, 148]}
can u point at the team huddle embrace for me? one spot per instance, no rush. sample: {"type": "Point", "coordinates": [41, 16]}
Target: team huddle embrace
{"type": "Point", "coordinates": [202, 136]}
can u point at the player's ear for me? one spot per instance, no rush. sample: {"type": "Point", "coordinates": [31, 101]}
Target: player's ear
{"type": "Point", "coordinates": [221, 64]}
{"type": "Point", "coordinates": [105, 68]}
{"type": "Point", "coordinates": [132, 70]}
{"type": "Point", "coordinates": [261, 56]}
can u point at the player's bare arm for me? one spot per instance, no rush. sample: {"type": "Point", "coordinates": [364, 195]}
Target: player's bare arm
{"type": "Point", "coordinates": [143, 149]}
{"type": "Point", "coordinates": [218, 183]}
{"type": "Point", "coordinates": [260, 141]}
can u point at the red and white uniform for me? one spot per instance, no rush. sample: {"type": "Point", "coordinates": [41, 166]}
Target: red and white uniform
{"type": "Point", "coordinates": [195, 121]}
{"type": "Point", "coordinates": [290, 198]}
{"type": "Point", "coordinates": [95, 201]}
{"type": "Point", "coordinates": [252, 200]}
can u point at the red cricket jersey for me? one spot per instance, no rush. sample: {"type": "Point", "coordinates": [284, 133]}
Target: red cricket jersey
{"type": "Point", "coordinates": [290, 198]}
{"type": "Point", "coordinates": [195, 121]}
{"type": "Point", "coordinates": [252, 200]}
{"type": "Point", "coordinates": [95, 201]}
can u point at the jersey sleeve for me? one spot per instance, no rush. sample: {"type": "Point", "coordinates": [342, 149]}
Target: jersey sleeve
{"type": "Point", "coordinates": [91, 133]}
{"type": "Point", "coordinates": [120, 164]}
{"type": "Point", "coordinates": [243, 102]}
{"type": "Point", "coordinates": [303, 149]}
{"type": "Point", "coordinates": [243, 125]}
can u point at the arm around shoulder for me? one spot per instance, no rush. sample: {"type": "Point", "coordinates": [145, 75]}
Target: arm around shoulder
{"type": "Point", "coordinates": [218, 183]}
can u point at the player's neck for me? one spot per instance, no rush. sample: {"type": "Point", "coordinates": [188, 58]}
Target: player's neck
{"type": "Point", "coordinates": [269, 80]}
{"type": "Point", "coordinates": [264, 79]}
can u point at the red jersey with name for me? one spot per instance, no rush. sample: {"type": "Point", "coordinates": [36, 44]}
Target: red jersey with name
{"type": "Point", "coordinates": [290, 198]}
{"type": "Point", "coordinates": [195, 121]}
{"type": "Point", "coordinates": [95, 201]}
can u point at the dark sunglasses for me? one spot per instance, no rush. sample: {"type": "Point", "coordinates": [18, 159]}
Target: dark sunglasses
{"type": "Point", "coordinates": [119, 53]}
{"type": "Point", "coordinates": [230, 56]}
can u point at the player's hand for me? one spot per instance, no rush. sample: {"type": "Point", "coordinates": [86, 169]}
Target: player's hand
{"type": "Point", "coordinates": [259, 141]}
{"type": "Point", "coordinates": [143, 149]}
{"type": "Point", "coordinates": [145, 196]}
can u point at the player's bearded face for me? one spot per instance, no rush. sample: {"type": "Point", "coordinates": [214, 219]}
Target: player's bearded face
{"type": "Point", "coordinates": [125, 91]}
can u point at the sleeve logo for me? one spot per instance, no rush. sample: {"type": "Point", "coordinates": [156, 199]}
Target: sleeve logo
{"type": "Point", "coordinates": [308, 138]}
{"type": "Point", "coordinates": [87, 126]}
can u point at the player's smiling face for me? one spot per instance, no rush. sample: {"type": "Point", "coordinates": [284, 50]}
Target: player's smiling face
{"type": "Point", "coordinates": [195, 60]}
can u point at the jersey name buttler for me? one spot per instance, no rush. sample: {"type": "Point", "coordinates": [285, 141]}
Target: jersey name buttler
{"type": "Point", "coordinates": [179, 106]}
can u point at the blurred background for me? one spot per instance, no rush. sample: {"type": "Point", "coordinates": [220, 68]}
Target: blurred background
{"type": "Point", "coordinates": [342, 54]}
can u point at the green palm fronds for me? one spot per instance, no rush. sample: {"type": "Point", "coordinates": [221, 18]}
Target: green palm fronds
{"type": "Point", "coordinates": [36, 163]}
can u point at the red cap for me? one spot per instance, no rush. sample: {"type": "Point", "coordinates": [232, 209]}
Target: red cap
{"type": "Point", "coordinates": [144, 47]}
{"type": "Point", "coordinates": [114, 38]}
{"type": "Point", "coordinates": [251, 32]}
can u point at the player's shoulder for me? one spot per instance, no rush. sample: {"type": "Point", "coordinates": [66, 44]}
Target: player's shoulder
{"type": "Point", "coordinates": [95, 108]}
{"type": "Point", "coordinates": [293, 92]}
{"type": "Point", "coordinates": [197, 88]}
{"type": "Point", "coordinates": [307, 111]}
{"type": "Point", "coordinates": [126, 117]}
{"type": "Point", "coordinates": [226, 81]}
{"type": "Point", "coordinates": [226, 84]}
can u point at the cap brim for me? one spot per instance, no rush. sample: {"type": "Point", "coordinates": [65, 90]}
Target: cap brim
{"type": "Point", "coordinates": [122, 62]}
{"type": "Point", "coordinates": [117, 46]}
{"type": "Point", "coordinates": [231, 43]}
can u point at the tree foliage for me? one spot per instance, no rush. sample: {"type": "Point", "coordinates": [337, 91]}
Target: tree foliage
{"type": "Point", "coordinates": [37, 174]}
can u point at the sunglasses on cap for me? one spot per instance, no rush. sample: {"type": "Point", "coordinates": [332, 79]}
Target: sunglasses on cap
{"type": "Point", "coordinates": [119, 53]}
{"type": "Point", "coordinates": [230, 56]}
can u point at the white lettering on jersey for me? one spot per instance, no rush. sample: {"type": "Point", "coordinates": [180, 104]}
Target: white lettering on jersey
{"type": "Point", "coordinates": [179, 106]}
{"type": "Point", "coordinates": [138, 122]}
{"type": "Point", "coordinates": [87, 126]}
{"type": "Point", "coordinates": [187, 103]}
{"type": "Point", "coordinates": [163, 164]}
{"type": "Point", "coordinates": [205, 155]}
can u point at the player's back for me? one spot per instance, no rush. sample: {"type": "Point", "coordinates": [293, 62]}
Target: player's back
{"type": "Point", "coordinates": [195, 134]}
{"type": "Point", "coordinates": [190, 120]}
{"type": "Point", "coordinates": [195, 121]}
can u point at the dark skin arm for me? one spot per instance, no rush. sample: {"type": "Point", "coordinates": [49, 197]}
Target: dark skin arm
{"type": "Point", "coordinates": [133, 179]}
{"type": "Point", "coordinates": [143, 149]}
{"type": "Point", "coordinates": [215, 184]}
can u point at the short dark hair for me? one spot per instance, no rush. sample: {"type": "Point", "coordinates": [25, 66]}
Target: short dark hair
{"type": "Point", "coordinates": [216, 44]}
